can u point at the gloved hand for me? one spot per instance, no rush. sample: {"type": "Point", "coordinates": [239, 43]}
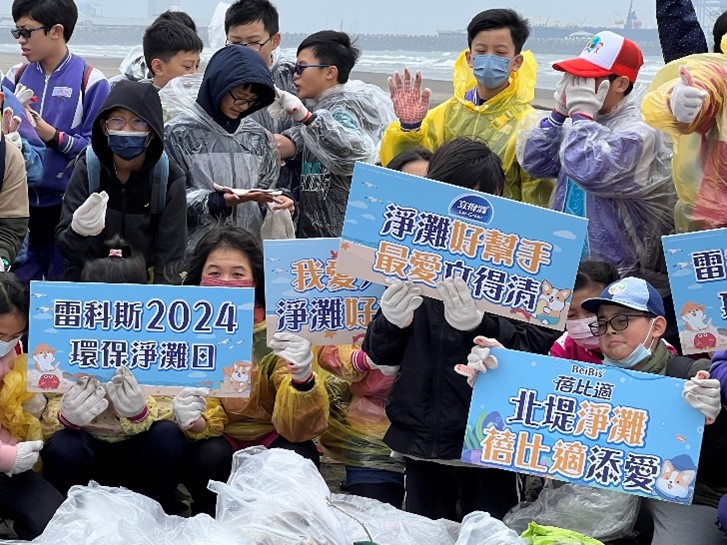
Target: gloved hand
{"type": "Point", "coordinates": [126, 396]}
{"type": "Point", "coordinates": [361, 362]}
{"type": "Point", "coordinates": [560, 93]}
{"type": "Point", "coordinates": [24, 94]}
{"type": "Point", "coordinates": [26, 456]}
{"type": "Point", "coordinates": [459, 307]}
{"type": "Point", "coordinates": [399, 301]}
{"type": "Point", "coordinates": [703, 393]}
{"type": "Point", "coordinates": [35, 404]}
{"type": "Point", "coordinates": [479, 359]}
{"type": "Point", "coordinates": [296, 351]}
{"type": "Point", "coordinates": [10, 125]}
{"type": "Point", "coordinates": [583, 98]}
{"type": "Point", "coordinates": [83, 402]}
{"type": "Point", "coordinates": [686, 100]}
{"type": "Point", "coordinates": [288, 104]}
{"type": "Point", "coordinates": [89, 219]}
{"type": "Point", "coordinates": [188, 406]}
{"type": "Point", "coordinates": [411, 103]}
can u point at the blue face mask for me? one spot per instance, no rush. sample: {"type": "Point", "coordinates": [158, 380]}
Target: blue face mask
{"type": "Point", "coordinates": [491, 71]}
{"type": "Point", "coordinates": [640, 353]}
{"type": "Point", "coordinates": [128, 145]}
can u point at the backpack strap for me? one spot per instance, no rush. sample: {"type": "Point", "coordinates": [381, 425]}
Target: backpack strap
{"type": "Point", "coordinates": [19, 72]}
{"type": "Point", "coordinates": [3, 144]}
{"type": "Point", "coordinates": [93, 170]}
{"type": "Point", "coordinates": [159, 185]}
{"type": "Point", "coordinates": [678, 367]}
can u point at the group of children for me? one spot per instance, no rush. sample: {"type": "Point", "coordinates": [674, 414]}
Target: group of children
{"type": "Point", "coordinates": [168, 176]}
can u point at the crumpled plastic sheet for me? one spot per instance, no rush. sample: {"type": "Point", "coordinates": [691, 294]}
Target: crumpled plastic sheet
{"type": "Point", "coordinates": [601, 514]}
{"type": "Point", "coordinates": [273, 497]}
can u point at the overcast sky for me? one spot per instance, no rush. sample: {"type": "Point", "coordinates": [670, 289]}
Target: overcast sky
{"type": "Point", "coordinates": [396, 16]}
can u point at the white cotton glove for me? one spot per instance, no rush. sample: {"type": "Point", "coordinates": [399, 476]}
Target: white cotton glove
{"type": "Point", "coordinates": [561, 92]}
{"type": "Point", "coordinates": [360, 361]}
{"type": "Point", "coordinates": [703, 393]}
{"type": "Point", "coordinates": [399, 301]}
{"type": "Point", "coordinates": [459, 307]}
{"type": "Point", "coordinates": [10, 126]}
{"type": "Point", "coordinates": [89, 219]}
{"type": "Point", "coordinates": [479, 359]}
{"type": "Point", "coordinates": [686, 100]}
{"type": "Point", "coordinates": [296, 351]}
{"type": "Point", "coordinates": [288, 104]}
{"type": "Point", "coordinates": [26, 456]}
{"type": "Point", "coordinates": [83, 402]}
{"type": "Point", "coordinates": [188, 405]}
{"type": "Point", "coordinates": [583, 98]}
{"type": "Point", "coordinates": [23, 94]}
{"type": "Point", "coordinates": [35, 404]}
{"type": "Point", "coordinates": [126, 396]}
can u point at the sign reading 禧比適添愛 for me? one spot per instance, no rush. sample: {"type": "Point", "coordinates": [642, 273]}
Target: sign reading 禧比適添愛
{"type": "Point", "coordinates": [170, 337]}
{"type": "Point", "coordinates": [586, 424]}
{"type": "Point", "coordinates": [519, 260]}
{"type": "Point", "coordinates": [697, 264]}
{"type": "Point", "coordinates": [305, 295]}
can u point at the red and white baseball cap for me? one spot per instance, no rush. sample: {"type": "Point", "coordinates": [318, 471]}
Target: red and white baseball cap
{"type": "Point", "coordinates": [606, 53]}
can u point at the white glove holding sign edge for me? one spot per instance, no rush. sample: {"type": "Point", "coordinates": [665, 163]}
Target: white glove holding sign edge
{"type": "Point", "coordinates": [253, 194]}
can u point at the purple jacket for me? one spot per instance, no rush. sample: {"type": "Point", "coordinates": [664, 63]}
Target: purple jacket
{"type": "Point", "coordinates": [60, 104]}
{"type": "Point", "coordinates": [719, 371]}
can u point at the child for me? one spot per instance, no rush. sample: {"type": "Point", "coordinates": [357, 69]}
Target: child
{"type": "Point", "coordinates": [428, 404]}
{"type": "Point", "coordinates": [122, 266]}
{"type": "Point", "coordinates": [126, 185]}
{"type": "Point", "coordinates": [69, 95]}
{"type": "Point", "coordinates": [578, 343]}
{"type": "Point", "coordinates": [288, 405]}
{"type": "Point", "coordinates": [345, 126]}
{"type": "Point", "coordinates": [219, 147]}
{"type": "Point", "coordinates": [494, 83]}
{"type": "Point", "coordinates": [171, 49]}
{"type": "Point", "coordinates": [26, 498]}
{"type": "Point", "coordinates": [414, 161]}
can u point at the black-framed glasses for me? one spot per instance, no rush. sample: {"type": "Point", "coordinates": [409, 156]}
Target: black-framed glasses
{"type": "Point", "coordinates": [26, 32]}
{"type": "Point", "coordinates": [299, 68]}
{"type": "Point", "coordinates": [241, 101]}
{"type": "Point", "coordinates": [257, 46]}
{"type": "Point", "coordinates": [118, 123]}
{"type": "Point", "coordinates": [619, 322]}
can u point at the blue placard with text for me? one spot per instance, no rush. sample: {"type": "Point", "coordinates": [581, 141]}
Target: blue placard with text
{"type": "Point", "coordinates": [518, 260]}
{"type": "Point", "coordinates": [170, 337]}
{"type": "Point", "coordinates": [586, 424]}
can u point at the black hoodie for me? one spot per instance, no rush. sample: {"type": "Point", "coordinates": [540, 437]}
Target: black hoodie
{"type": "Point", "coordinates": [161, 239]}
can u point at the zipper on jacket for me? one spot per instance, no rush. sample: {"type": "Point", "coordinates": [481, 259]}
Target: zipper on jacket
{"type": "Point", "coordinates": [123, 211]}
{"type": "Point", "coordinates": [42, 100]}
{"type": "Point", "coordinates": [435, 397]}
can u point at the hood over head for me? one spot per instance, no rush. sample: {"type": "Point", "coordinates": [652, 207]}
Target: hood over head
{"type": "Point", "coordinates": [143, 100]}
{"type": "Point", "coordinates": [230, 67]}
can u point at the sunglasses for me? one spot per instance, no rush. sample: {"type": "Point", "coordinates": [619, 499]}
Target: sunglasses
{"type": "Point", "coordinates": [26, 32]}
{"type": "Point", "coordinates": [299, 68]}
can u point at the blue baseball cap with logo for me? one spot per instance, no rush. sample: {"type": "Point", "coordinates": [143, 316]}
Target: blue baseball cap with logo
{"type": "Point", "coordinates": [629, 292]}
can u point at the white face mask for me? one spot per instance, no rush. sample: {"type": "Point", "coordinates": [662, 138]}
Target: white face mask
{"type": "Point", "coordinates": [7, 346]}
{"type": "Point", "coordinates": [638, 355]}
{"type": "Point", "coordinates": [579, 331]}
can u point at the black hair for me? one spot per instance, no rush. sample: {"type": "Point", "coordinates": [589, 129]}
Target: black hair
{"type": "Point", "coordinates": [493, 19]}
{"type": "Point", "coordinates": [630, 88]}
{"type": "Point", "coordinates": [333, 48]}
{"type": "Point", "coordinates": [234, 238]}
{"type": "Point", "coordinates": [121, 265]}
{"type": "Point", "coordinates": [468, 163]}
{"type": "Point", "coordinates": [409, 156]}
{"type": "Point", "coordinates": [592, 274]}
{"type": "Point", "coordinates": [49, 13]}
{"type": "Point", "coordinates": [164, 39]}
{"type": "Point", "coordinates": [14, 295]}
{"type": "Point", "coordinates": [719, 30]}
{"type": "Point", "coordinates": [177, 17]}
{"type": "Point", "coordinates": [244, 12]}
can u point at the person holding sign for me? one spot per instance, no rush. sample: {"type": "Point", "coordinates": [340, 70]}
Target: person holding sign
{"type": "Point", "coordinates": [428, 403]}
{"type": "Point", "coordinates": [287, 406]}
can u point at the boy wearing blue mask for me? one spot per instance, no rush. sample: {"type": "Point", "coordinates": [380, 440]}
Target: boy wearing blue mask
{"type": "Point", "coordinates": [494, 83]}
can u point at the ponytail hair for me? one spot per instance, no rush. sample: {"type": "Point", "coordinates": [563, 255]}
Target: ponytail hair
{"type": "Point", "coordinates": [121, 265]}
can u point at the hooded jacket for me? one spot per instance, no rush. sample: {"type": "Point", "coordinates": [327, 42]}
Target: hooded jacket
{"type": "Point", "coordinates": [160, 238]}
{"type": "Point", "coordinates": [213, 148]}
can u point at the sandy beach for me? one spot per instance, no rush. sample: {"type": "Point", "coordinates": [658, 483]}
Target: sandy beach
{"type": "Point", "coordinates": [441, 90]}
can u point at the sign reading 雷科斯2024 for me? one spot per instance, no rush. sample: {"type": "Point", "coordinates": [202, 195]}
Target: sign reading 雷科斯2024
{"type": "Point", "coordinates": [170, 337]}
{"type": "Point", "coordinates": [518, 260]}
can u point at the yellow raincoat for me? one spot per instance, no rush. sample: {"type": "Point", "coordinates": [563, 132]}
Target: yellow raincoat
{"type": "Point", "coordinates": [494, 122]}
{"type": "Point", "coordinates": [274, 404]}
{"type": "Point", "coordinates": [699, 166]}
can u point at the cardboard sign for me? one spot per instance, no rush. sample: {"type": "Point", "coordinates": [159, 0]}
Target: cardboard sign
{"type": "Point", "coordinates": [519, 260]}
{"type": "Point", "coordinates": [587, 424]}
{"type": "Point", "coordinates": [305, 295]}
{"type": "Point", "coordinates": [170, 337]}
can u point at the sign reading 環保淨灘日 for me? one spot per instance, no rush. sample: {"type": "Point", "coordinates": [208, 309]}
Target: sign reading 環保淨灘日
{"type": "Point", "coordinates": [170, 337]}
{"type": "Point", "coordinates": [518, 260]}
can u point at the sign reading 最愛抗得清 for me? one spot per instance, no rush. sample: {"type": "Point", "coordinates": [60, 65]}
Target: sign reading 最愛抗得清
{"type": "Point", "coordinates": [586, 424]}
{"type": "Point", "coordinates": [305, 295]}
{"type": "Point", "coordinates": [518, 260]}
{"type": "Point", "coordinates": [170, 337]}
{"type": "Point", "coordinates": [697, 265]}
